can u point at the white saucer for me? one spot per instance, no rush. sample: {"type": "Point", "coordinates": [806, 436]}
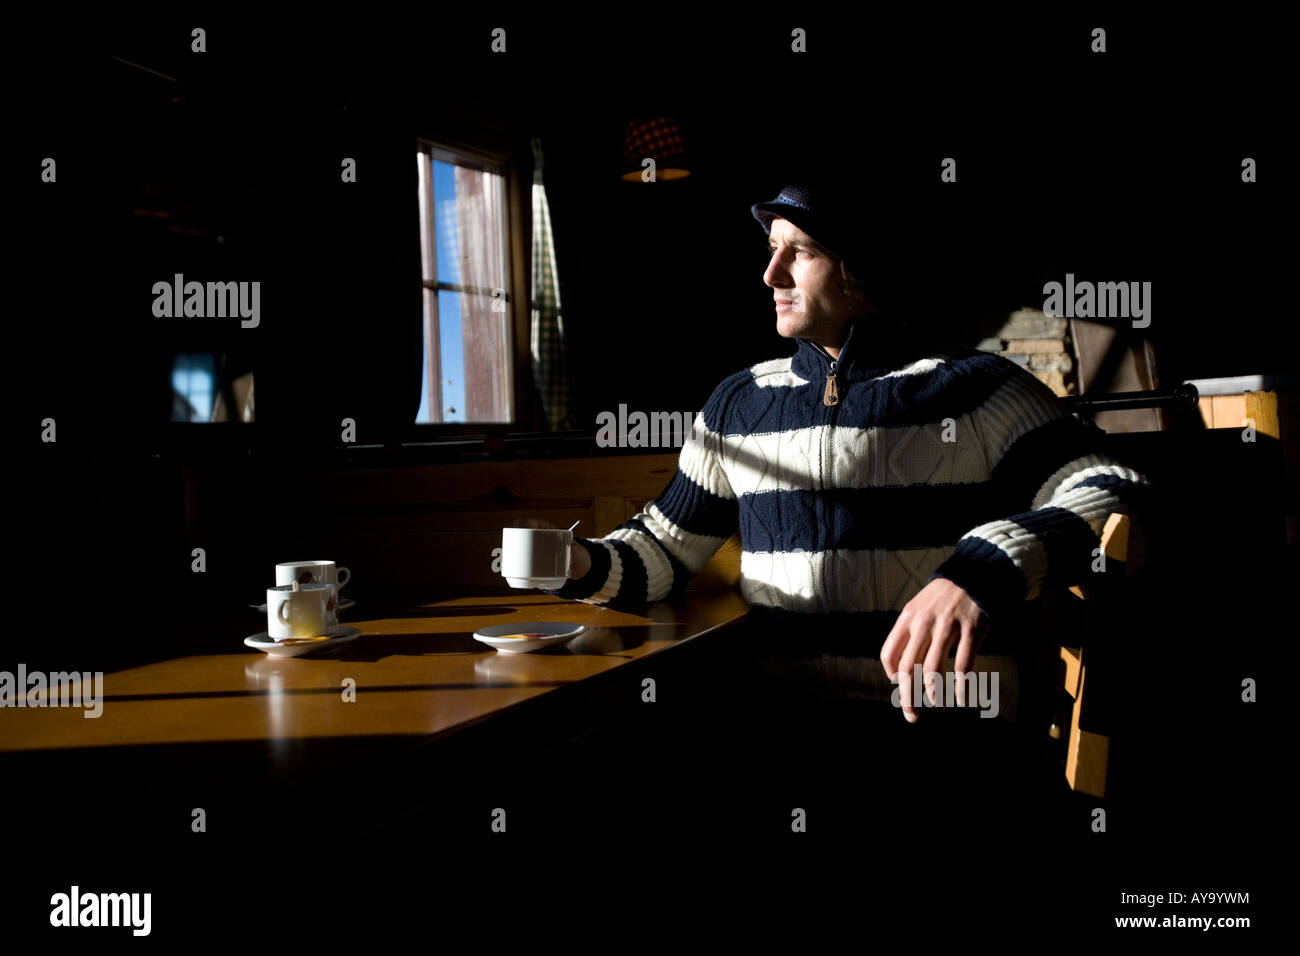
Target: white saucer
{"type": "Point", "coordinates": [344, 604]}
{"type": "Point", "coordinates": [262, 641]}
{"type": "Point", "coordinates": [558, 632]}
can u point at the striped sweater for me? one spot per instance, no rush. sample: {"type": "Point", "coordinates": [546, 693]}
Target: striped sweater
{"type": "Point", "coordinates": [950, 463]}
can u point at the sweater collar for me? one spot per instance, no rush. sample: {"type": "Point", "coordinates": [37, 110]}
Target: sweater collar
{"type": "Point", "coordinates": [866, 353]}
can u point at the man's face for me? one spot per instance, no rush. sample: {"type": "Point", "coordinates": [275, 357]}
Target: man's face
{"type": "Point", "coordinates": [807, 286]}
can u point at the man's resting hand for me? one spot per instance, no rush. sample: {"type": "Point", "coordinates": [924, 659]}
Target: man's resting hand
{"type": "Point", "coordinates": [941, 615]}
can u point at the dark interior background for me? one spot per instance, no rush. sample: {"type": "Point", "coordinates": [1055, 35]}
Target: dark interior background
{"type": "Point", "coordinates": [1118, 168]}
{"type": "Point", "coordinates": [1121, 167]}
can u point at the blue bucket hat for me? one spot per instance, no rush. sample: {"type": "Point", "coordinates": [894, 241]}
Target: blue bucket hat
{"type": "Point", "coordinates": [832, 212]}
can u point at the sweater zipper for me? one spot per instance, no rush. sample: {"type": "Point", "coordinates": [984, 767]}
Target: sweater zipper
{"type": "Point", "coordinates": [831, 398]}
{"type": "Point", "coordinates": [832, 394]}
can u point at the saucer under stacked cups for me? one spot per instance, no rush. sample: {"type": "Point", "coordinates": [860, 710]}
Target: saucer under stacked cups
{"type": "Point", "coordinates": [302, 610]}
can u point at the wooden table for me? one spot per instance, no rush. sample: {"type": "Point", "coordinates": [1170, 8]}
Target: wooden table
{"type": "Point", "coordinates": [297, 787]}
{"type": "Point", "coordinates": [420, 675]}
{"type": "Point", "coordinates": [438, 717]}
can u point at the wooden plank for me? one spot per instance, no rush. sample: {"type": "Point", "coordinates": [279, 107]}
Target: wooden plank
{"type": "Point", "coordinates": [443, 522]}
{"type": "Point", "coordinates": [1114, 537]}
{"type": "Point", "coordinates": [1072, 657]}
{"type": "Point", "coordinates": [608, 512]}
{"type": "Point", "coordinates": [1114, 544]}
{"type": "Point", "coordinates": [624, 475]}
{"type": "Point", "coordinates": [434, 527]}
{"type": "Point", "coordinates": [1206, 404]}
{"type": "Point", "coordinates": [1229, 410]}
{"type": "Point", "coordinates": [1261, 407]}
{"type": "Point", "coordinates": [1086, 753]}
{"type": "Point", "coordinates": [1085, 763]}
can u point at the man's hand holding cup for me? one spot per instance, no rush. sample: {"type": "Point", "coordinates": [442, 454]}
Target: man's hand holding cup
{"type": "Point", "coordinates": [537, 554]}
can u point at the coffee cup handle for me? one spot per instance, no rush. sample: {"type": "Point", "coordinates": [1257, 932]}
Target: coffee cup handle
{"type": "Point", "coordinates": [344, 576]}
{"type": "Point", "coordinates": [279, 612]}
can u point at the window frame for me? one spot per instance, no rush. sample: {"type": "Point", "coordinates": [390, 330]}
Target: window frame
{"type": "Point", "coordinates": [494, 153]}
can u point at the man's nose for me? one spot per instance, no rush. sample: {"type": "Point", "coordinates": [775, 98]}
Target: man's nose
{"type": "Point", "coordinates": [776, 275]}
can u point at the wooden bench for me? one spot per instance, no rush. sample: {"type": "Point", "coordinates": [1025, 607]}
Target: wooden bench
{"type": "Point", "coordinates": [1087, 749]}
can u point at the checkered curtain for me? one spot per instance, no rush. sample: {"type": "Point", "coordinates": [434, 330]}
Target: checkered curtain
{"type": "Point", "coordinates": [550, 371]}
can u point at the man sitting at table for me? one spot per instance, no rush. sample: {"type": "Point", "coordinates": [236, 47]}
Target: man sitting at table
{"type": "Point", "coordinates": [916, 493]}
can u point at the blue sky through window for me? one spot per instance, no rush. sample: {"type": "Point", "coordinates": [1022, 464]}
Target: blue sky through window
{"type": "Point", "coordinates": [192, 379]}
{"type": "Point", "coordinates": [449, 317]}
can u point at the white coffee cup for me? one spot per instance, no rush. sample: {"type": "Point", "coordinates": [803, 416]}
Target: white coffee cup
{"type": "Point", "coordinates": [315, 572]}
{"type": "Point", "coordinates": [536, 557]}
{"type": "Point", "coordinates": [298, 610]}
{"type": "Point", "coordinates": [312, 572]}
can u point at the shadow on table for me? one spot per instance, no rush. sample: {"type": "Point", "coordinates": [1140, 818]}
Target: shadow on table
{"type": "Point", "coordinates": [600, 641]}
{"type": "Point", "coordinates": [380, 612]}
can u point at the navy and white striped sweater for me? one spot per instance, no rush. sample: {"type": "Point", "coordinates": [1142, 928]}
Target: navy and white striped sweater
{"type": "Point", "coordinates": [954, 463]}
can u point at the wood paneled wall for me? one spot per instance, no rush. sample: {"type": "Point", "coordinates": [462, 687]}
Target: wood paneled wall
{"type": "Point", "coordinates": [431, 531]}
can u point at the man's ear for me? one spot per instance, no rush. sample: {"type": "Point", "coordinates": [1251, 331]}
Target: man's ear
{"type": "Point", "coordinates": [862, 304]}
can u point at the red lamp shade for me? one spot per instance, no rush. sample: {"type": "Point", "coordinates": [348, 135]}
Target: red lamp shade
{"type": "Point", "coordinates": [661, 139]}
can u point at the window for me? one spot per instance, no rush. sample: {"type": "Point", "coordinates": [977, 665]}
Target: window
{"type": "Point", "coordinates": [465, 272]}
{"type": "Point", "coordinates": [211, 387]}
{"type": "Point", "coordinates": [192, 388]}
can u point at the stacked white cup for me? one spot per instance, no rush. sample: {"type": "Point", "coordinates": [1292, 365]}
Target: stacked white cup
{"type": "Point", "coordinates": [304, 602]}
